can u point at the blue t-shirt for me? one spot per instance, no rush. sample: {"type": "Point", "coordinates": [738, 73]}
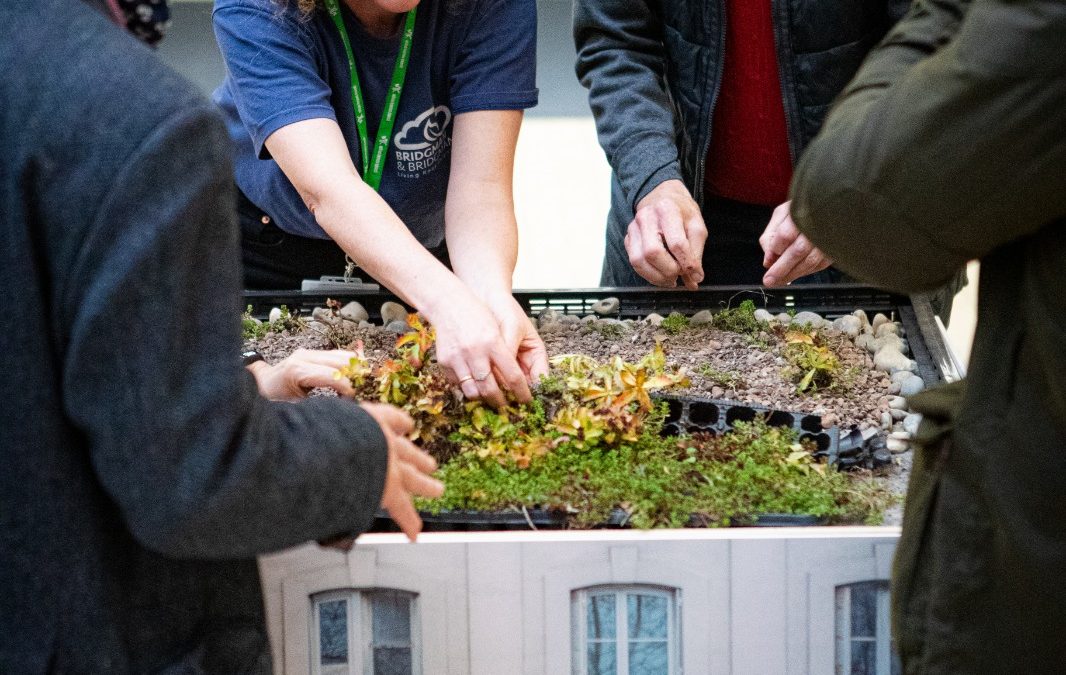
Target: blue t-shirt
{"type": "Point", "coordinates": [467, 55]}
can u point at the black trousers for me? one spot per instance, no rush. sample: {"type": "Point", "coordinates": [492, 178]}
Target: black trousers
{"type": "Point", "coordinates": [731, 257]}
{"type": "Point", "coordinates": [273, 259]}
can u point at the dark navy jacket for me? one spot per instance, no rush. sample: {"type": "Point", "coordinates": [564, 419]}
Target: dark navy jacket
{"type": "Point", "coordinates": [140, 473]}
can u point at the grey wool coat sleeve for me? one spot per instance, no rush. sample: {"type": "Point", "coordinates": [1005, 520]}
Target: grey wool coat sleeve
{"type": "Point", "coordinates": [948, 143]}
{"type": "Point", "coordinates": [197, 463]}
{"type": "Point", "coordinates": [620, 60]}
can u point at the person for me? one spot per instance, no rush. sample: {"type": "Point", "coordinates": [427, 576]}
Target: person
{"type": "Point", "coordinates": [142, 473]}
{"type": "Point", "coordinates": [707, 207]}
{"type": "Point", "coordinates": [429, 189]}
{"type": "Point", "coordinates": [949, 146]}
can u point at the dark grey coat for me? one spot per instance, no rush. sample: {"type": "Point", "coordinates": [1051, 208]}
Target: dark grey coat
{"type": "Point", "coordinates": [140, 473]}
{"type": "Point", "coordinates": [653, 68]}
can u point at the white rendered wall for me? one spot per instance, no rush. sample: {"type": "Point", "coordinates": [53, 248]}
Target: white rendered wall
{"type": "Point", "coordinates": [752, 601]}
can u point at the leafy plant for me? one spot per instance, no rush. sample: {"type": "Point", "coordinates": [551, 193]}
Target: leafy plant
{"type": "Point", "coordinates": [814, 364]}
{"type": "Point", "coordinates": [740, 319]}
{"type": "Point", "coordinates": [253, 329]}
{"type": "Point", "coordinates": [674, 323]}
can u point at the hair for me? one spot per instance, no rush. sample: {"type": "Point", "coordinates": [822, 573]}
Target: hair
{"type": "Point", "coordinates": [305, 7]}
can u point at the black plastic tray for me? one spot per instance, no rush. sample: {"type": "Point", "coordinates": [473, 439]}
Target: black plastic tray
{"type": "Point", "coordinates": [689, 413]}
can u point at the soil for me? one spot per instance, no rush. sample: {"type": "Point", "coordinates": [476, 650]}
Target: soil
{"type": "Point", "coordinates": [719, 364]}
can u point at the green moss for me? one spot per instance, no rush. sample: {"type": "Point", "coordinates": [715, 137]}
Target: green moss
{"type": "Point", "coordinates": [740, 319]}
{"type": "Point", "coordinates": [663, 482]}
{"type": "Point", "coordinates": [727, 378]}
{"type": "Point", "coordinates": [252, 328]}
{"type": "Point", "coordinates": [675, 323]}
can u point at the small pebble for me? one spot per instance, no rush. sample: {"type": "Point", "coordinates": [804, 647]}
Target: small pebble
{"type": "Point", "coordinates": [354, 311]}
{"type": "Point", "coordinates": [848, 325]}
{"type": "Point", "coordinates": [891, 360]}
{"type": "Point", "coordinates": [864, 341]}
{"type": "Point", "coordinates": [588, 318]}
{"type": "Point", "coordinates": [896, 446]}
{"type": "Point", "coordinates": [548, 315]}
{"type": "Point", "coordinates": [367, 324]}
{"type": "Point", "coordinates": [607, 306]}
{"type": "Point", "coordinates": [911, 385]}
{"type": "Point", "coordinates": [398, 327]}
{"type": "Point", "coordinates": [829, 421]}
{"type": "Point", "coordinates": [911, 422]}
{"type": "Point", "coordinates": [763, 315]}
{"type": "Point", "coordinates": [877, 344]}
{"type": "Point", "coordinates": [717, 392]}
{"type": "Point", "coordinates": [569, 318]}
{"type": "Point", "coordinates": [893, 388]}
{"type": "Point", "coordinates": [859, 314]}
{"type": "Point", "coordinates": [654, 319]}
{"type": "Point", "coordinates": [393, 311]}
{"type": "Point", "coordinates": [808, 318]}
{"type": "Point", "coordinates": [877, 321]}
{"type": "Point", "coordinates": [898, 414]}
{"type": "Point", "coordinates": [784, 319]}
{"type": "Point", "coordinates": [899, 377]}
{"type": "Point", "coordinates": [701, 318]}
{"type": "Point", "coordinates": [886, 420]}
{"type": "Point", "coordinates": [886, 329]}
{"type": "Point", "coordinates": [897, 402]}
{"type": "Point", "coordinates": [275, 314]}
{"type": "Point", "coordinates": [901, 435]}
{"type": "Point", "coordinates": [323, 315]}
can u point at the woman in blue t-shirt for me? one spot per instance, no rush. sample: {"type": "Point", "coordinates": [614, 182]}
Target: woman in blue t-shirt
{"type": "Point", "coordinates": [435, 188]}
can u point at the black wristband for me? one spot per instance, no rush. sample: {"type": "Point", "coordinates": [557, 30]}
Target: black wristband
{"type": "Point", "coordinates": [248, 358]}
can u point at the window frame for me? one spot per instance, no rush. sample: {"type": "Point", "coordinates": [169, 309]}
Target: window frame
{"type": "Point", "coordinates": [359, 608]}
{"type": "Point", "coordinates": [579, 625]}
{"type": "Point", "coordinates": [843, 637]}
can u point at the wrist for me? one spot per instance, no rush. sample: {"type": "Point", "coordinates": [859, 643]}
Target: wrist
{"type": "Point", "coordinates": [669, 189]}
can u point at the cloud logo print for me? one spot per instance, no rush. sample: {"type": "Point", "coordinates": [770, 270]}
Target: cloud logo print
{"type": "Point", "coordinates": [424, 130]}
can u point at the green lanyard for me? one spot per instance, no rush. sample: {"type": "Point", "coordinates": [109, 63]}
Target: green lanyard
{"type": "Point", "coordinates": [374, 165]}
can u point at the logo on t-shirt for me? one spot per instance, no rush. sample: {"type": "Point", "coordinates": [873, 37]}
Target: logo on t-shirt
{"type": "Point", "coordinates": [423, 142]}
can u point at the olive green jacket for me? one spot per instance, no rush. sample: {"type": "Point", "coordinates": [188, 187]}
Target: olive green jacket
{"type": "Point", "coordinates": [950, 145]}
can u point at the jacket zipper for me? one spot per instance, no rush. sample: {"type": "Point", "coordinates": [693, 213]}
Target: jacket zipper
{"type": "Point", "coordinates": [787, 100]}
{"type": "Point", "coordinates": [701, 167]}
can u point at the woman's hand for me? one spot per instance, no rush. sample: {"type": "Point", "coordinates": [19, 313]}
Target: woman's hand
{"type": "Point", "coordinates": [473, 350]}
{"type": "Point", "coordinates": [521, 337]}
{"type": "Point", "coordinates": [304, 370]}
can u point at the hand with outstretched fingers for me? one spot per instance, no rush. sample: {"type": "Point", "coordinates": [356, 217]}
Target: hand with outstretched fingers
{"type": "Point", "coordinates": [409, 472]}
{"type": "Point", "coordinates": [666, 238]}
{"type": "Point", "coordinates": [788, 254]}
{"type": "Point", "coordinates": [305, 369]}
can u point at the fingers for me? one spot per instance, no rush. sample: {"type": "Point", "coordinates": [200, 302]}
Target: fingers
{"type": "Point", "coordinates": [390, 418]}
{"type": "Point", "coordinates": [798, 260]}
{"type": "Point", "coordinates": [533, 359]}
{"type": "Point", "coordinates": [696, 231]}
{"type": "Point", "coordinates": [402, 511]}
{"type": "Point", "coordinates": [312, 375]}
{"type": "Point", "coordinates": [779, 234]}
{"type": "Point", "coordinates": [412, 454]}
{"type": "Point", "coordinates": [639, 252]}
{"type": "Point", "coordinates": [674, 234]}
